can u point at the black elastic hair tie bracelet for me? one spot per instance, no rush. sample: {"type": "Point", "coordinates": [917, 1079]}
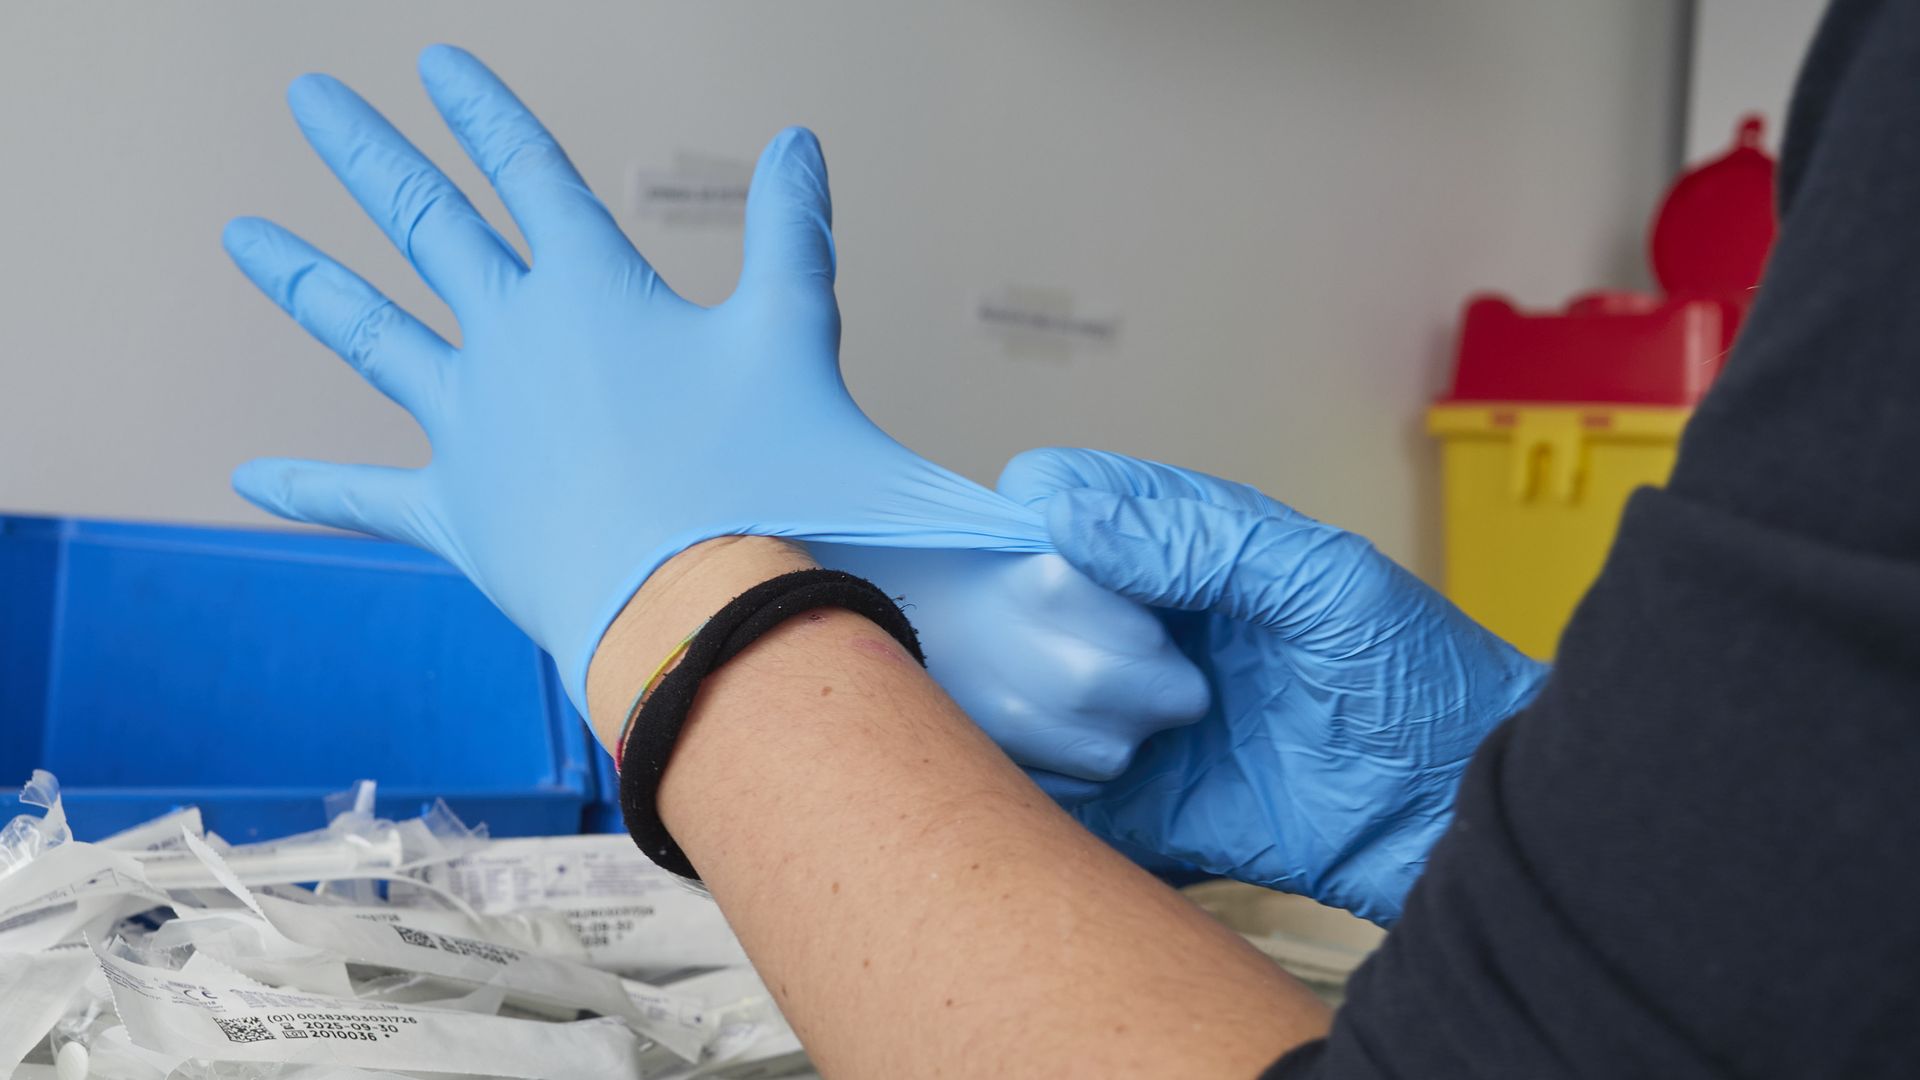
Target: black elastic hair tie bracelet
{"type": "Point", "coordinates": [662, 713]}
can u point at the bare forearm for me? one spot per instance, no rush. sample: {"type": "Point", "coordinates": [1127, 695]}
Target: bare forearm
{"type": "Point", "coordinates": [909, 895]}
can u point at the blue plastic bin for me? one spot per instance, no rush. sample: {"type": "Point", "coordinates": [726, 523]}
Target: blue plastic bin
{"type": "Point", "coordinates": [251, 673]}
{"type": "Point", "coordinates": [603, 813]}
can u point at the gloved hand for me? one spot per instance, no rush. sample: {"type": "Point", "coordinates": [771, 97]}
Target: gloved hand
{"type": "Point", "coordinates": [591, 423]}
{"type": "Point", "coordinates": [1067, 677]}
{"type": "Point", "coordinates": [1347, 695]}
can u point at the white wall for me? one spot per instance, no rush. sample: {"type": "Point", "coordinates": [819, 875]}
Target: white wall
{"type": "Point", "coordinates": [1746, 54]}
{"type": "Point", "coordinates": [1282, 204]}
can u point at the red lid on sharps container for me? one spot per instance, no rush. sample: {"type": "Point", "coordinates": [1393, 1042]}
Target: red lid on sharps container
{"type": "Point", "coordinates": [1713, 231]}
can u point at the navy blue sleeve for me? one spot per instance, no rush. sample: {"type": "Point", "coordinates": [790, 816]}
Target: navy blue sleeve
{"type": "Point", "coordinates": [1695, 854]}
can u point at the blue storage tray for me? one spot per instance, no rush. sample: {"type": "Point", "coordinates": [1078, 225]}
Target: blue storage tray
{"type": "Point", "coordinates": [251, 673]}
{"type": "Point", "coordinates": [603, 813]}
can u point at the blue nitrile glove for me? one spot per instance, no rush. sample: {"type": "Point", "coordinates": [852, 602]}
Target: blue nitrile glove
{"type": "Point", "coordinates": [1067, 677]}
{"type": "Point", "coordinates": [1347, 695]}
{"type": "Point", "coordinates": [591, 423]}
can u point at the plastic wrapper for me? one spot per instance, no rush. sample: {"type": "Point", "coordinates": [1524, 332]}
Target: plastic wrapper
{"type": "Point", "coordinates": [250, 1070]}
{"type": "Point", "coordinates": [368, 949]}
{"type": "Point", "coordinates": [27, 836]}
{"type": "Point", "coordinates": [67, 891]}
{"type": "Point", "coordinates": [35, 992]}
{"type": "Point", "coordinates": [203, 1014]}
{"type": "Point", "coordinates": [356, 849]}
{"type": "Point", "coordinates": [629, 914]}
{"type": "Point", "coordinates": [752, 1039]}
{"type": "Point", "coordinates": [404, 943]}
{"type": "Point", "coordinates": [161, 834]}
{"type": "Point", "coordinates": [257, 950]}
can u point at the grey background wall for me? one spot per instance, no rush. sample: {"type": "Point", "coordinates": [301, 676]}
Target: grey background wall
{"type": "Point", "coordinates": [1745, 56]}
{"type": "Point", "coordinates": [1271, 211]}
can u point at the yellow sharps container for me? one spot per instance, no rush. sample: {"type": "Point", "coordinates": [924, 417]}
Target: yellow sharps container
{"type": "Point", "coordinates": [1532, 496]}
{"type": "Point", "coordinates": [1554, 418]}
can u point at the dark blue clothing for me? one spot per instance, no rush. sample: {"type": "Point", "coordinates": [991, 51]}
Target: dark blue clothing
{"type": "Point", "coordinates": [1698, 853]}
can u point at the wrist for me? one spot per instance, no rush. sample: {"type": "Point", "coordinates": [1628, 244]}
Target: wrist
{"type": "Point", "coordinates": [675, 599]}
